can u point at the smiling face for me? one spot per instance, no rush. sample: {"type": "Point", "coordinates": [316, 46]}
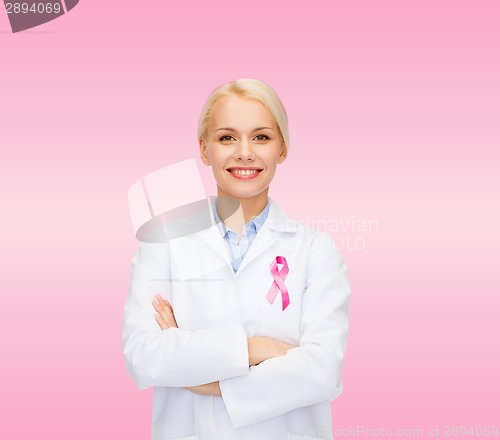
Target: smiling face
{"type": "Point", "coordinates": [243, 145]}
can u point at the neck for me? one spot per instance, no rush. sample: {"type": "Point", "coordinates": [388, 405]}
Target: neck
{"type": "Point", "coordinates": [235, 213]}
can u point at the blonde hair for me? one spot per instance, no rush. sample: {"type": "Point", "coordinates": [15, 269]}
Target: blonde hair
{"type": "Point", "coordinates": [252, 89]}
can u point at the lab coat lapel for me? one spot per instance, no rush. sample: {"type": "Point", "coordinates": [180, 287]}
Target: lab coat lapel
{"type": "Point", "coordinates": [215, 242]}
{"type": "Point", "coordinates": [213, 238]}
{"type": "Point", "coordinates": [277, 221]}
{"type": "Point", "coordinates": [262, 241]}
{"type": "Point", "coordinates": [199, 254]}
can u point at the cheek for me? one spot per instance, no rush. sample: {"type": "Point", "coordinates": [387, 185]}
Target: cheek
{"type": "Point", "coordinates": [271, 158]}
{"type": "Point", "coordinates": [218, 157]}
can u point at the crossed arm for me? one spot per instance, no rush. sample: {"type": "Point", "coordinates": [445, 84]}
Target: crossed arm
{"type": "Point", "coordinates": [260, 348]}
{"type": "Point", "coordinates": [233, 363]}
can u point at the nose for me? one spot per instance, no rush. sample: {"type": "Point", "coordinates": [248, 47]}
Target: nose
{"type": "Point", "coordinates": [244, 150]}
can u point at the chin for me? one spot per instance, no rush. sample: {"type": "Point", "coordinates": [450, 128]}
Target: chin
{"type": "Point", "coordinates": [244, 194]}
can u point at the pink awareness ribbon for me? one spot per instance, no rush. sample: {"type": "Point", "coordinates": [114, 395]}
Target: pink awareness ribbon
{"type": "Point", "coordinates": [279, 282]}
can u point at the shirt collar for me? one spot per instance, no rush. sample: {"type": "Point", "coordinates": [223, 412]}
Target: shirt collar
{"type": "Point", "coordinates": [257, 221]}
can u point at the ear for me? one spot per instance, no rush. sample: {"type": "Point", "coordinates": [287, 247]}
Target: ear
{"type": "Point", "coordinates": [203, 153]}
{"type": "Point", "coordinates": [282, 155]}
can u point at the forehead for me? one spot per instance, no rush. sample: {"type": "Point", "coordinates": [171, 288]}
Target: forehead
{"type": "Point", "coordinates": [237, 112]}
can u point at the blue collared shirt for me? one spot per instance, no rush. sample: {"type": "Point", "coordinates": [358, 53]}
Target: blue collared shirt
{"type": "Point", "coordinates": [238, 249]}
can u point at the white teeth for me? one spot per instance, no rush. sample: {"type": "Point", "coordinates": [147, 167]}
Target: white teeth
{"type": "Point", "coordinates": [244, 172]}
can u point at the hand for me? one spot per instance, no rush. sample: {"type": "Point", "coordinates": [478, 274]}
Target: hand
{"type": "Point", "coordinates": [261, 348]}
{"type": "Point", "coordinates": [165, 316]}
{"type": "Point", "coordinates": [208, 389]}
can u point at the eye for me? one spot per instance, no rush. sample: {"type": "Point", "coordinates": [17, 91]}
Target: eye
{"type": "Point", "coordinates": [226, 137]}
{"type": "Point", "coordinates": [262, 137]}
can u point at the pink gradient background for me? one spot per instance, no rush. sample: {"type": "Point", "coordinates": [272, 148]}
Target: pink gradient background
{"type": "Point", "coordinates": [394, 111]}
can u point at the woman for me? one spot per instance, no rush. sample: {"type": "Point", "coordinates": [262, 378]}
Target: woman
{"type": "Point", "coordinates": [249, 339]}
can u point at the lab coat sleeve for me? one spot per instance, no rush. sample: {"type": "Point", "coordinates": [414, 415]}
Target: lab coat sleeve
{"type": "Point", "coordinates": [310, 373]}
{"type": "Point", "coordinates": [172, 357]}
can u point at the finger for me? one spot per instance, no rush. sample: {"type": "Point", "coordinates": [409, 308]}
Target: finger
{"type": "Point", "coordinates": [170, 318]}
{"type": "Point", "coordinates": [160, 300]}
{"type": "Point", "coordinates": [158, 307]}
{"type": "Point", "coordinates": [195, 389]}
{"type": "Point", "coordinates": [163, 311]}
{"type": "Point", "coordinates": [159, 304]}
{"type": "Point", "coordinates": [161, 322]}
{"type": "Point", "coordinates": [168, 311]}
{"type": "Point", "coordinates": [163, 301]}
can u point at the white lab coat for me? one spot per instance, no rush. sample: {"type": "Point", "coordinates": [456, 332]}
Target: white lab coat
{"type": "Point", "coordinates": [282, 398]}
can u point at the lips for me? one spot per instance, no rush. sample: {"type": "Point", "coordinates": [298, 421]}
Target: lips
{"type": "Point", "coordinates": [244, 172]}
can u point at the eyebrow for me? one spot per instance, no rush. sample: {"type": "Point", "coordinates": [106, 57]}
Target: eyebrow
{"type": "Point", "coordinates": [232, 129]}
